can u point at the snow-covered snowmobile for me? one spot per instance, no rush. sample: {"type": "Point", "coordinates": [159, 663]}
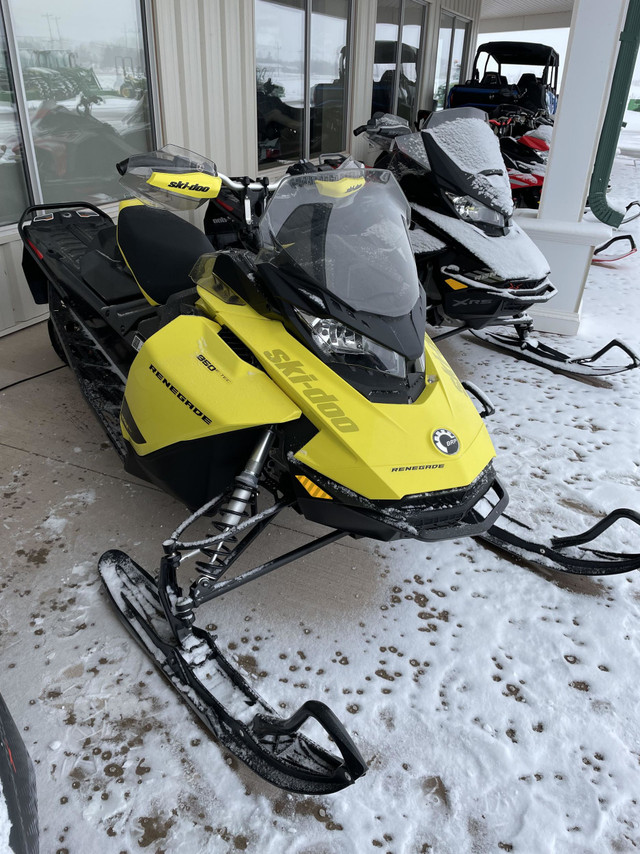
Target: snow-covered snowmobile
{"type": "Point", "coordinates": [297, 375]}
{"type": "Point", "coordinates": [478, 267]}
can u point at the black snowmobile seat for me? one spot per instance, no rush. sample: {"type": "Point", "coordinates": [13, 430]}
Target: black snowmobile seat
{"type": "Point", "coordinates": [160, 249]}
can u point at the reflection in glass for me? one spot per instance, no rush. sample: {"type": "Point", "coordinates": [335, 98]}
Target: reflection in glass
{"type": "Point", "coordinates": [457, 53]}
{"type": "Point", "coordinates": [385, 57]}
{"type": "Point", "coordinates": [280, 79]}
{"type": "Point", "coordinates": [412, 27]}
{"type": "Point", "coordinates": [442, 60]}
{"type": "Point", "coordinates": [83, 64]}
{"type": "Point", "coordinates": [13, 187]}
{"type": "Point", "coordinates": [328, 75]}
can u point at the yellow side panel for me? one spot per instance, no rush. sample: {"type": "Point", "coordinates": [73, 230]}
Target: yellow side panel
{"type": "Point", "coordinates": [381, 451]}
{"type": "Point", "coordinates": [186, 383]}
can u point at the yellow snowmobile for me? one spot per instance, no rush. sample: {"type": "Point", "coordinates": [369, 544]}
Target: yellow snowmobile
{"type": "Point", "coordinates": [243, 383]}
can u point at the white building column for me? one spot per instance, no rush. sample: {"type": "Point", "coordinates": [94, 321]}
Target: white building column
{"type": "Point", "coordinates": [558, 228]}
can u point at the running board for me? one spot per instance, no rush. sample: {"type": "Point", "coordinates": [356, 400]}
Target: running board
{"type": "Point", "coordinates": [532, 350]}
{"type": "Point", "coordinates": [555, 555]}
{"type": "Point", "coordinates": [228, 706]}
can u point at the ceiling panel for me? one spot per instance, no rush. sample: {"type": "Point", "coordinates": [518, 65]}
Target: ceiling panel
{"type": "Point", "coordinates": [514, 8]}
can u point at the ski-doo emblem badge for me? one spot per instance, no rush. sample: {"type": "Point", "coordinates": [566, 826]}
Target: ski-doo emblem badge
{"type": "Point", "coordinates": [446, 441]}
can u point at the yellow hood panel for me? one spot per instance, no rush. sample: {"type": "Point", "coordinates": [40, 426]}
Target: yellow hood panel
{"type": "Point", "coordinates": [380, 451]}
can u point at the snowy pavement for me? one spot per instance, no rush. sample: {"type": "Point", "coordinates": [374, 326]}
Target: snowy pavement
{"type": "Point", "coordinates": [495, 704]}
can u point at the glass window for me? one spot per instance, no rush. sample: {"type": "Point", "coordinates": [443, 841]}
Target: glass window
{"type": "Point", "coordinates": [301, 75]}
{"type": "Point", "coordinates": [413, 25]}
{"type": "Point", "coordinates": [386, 56]}
{"type": "Point", "coordinates": [445, 35]}
{"type": "Point", "coordinates": [457, 52]}
{"type": "Point", "coordinates": [327, 75]}
{"type": "Point", "coordinates": [450, 60]}
{"type": "Point", "coordinates": [280, 79]}
{"type": "Point", "coordinates": [396, 68]}
{"type": "Point", "coordinates": [84, 71]}
{"type": "Point", "coordinates": [13, 186]}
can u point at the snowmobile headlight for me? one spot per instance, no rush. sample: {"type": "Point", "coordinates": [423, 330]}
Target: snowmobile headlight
{"type": "Point", "coordinates": [343, 344]}
{"type": "Point", "coordinates": [472, 210]}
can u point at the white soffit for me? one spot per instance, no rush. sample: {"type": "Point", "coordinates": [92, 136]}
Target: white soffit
{"type": "Point", "coordinates": [496, 15]}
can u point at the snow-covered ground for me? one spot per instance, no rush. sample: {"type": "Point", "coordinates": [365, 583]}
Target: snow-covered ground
{"type": "Point", "coordinates": [495, 704]}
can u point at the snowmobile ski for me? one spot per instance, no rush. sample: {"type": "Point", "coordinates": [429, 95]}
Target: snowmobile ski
{"type": "Point", "coordinates": [601, 256]}
{"type": "Point", "coordinates": [554, 555]}
{"type": "Point", "coordinates": [532, 350]}
{"type": "Point", "coordinates": [223, 699]}
{"type": "Point", "coordinates": [632, 211]}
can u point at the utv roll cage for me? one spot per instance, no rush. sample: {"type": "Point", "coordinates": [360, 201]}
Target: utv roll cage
{"type": "Point", "coordinates": [488, 89]}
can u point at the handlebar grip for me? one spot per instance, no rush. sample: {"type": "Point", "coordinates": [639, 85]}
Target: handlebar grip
{"type": "Point", "coordinates": [122, 166]}
{"type": "Point", "coordinates": [359, 130]}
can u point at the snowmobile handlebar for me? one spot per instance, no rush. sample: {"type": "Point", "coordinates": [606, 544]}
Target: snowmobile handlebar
{"type": "Point", "coordinates": [238, 186]}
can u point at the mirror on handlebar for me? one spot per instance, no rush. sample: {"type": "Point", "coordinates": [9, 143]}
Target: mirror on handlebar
{"type": "Point", "coordinates": [170, 177]}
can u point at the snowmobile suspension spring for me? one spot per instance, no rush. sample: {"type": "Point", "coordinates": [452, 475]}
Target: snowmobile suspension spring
{"type": "Point", "coordinates": [246, 487]}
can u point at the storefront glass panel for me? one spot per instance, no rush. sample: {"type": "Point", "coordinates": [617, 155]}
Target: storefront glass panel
{"type": "Point", "coordinates": [13, 185]}
{"type": "Point", "coordinates": [84, 70]}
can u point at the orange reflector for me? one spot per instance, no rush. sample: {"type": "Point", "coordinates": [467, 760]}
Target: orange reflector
{"type": "Point", "coordinates": [313, 490]}
{"type": "Point", "coordinates": [457, 286]}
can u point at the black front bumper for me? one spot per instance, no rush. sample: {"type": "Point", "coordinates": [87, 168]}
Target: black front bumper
{"type": "Point", "coordinates": [444, 515]}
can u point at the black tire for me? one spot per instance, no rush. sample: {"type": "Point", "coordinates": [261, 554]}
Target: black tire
{"type": "Point", "coordinates": [55, 342]}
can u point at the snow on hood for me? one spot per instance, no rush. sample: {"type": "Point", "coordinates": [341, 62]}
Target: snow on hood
{"type": "Point", "coordinates": [473, 147]}
{"type": "Point", "coordinates": [512, 256]}
{"type": "Point", "coordinates": [422, 241]}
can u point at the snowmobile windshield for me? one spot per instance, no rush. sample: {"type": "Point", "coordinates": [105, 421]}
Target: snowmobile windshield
{"type": "Point", "coordinates": [463, 149]}
{"type": "Point", "coordinates": [347, 231]}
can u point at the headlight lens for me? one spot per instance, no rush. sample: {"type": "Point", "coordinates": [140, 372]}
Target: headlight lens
{"type": "Point", "coordinates": [472, 210]}
{"type": "Point", "coordinates": [345, 345]}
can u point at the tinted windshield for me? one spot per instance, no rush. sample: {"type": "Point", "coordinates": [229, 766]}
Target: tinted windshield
{"type": "Point", "coordinates": [466, 141]}
{"type": "Point", "coordinates": [347, 231]}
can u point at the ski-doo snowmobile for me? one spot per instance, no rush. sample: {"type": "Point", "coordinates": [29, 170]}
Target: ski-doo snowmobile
{"type": "Point", "coordinates": [478, 267]}
{"type": "Point", "coordinates": [297, 375]}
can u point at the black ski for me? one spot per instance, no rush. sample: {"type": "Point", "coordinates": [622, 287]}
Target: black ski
{"type": "Point", "coordinates": [222, 698]}
{"type": "Point", "coordinates": [556, 556]}
{"type": "Point", "coordinates": [532, 350]}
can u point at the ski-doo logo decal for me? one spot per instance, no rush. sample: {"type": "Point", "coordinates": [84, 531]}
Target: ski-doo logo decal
{"type": "Point", "coordinates": [179, 395]}
{"type": "Point", "coordinates": [419, 468]}
{"type": "Point", "coordinates": [446, 441]}
{"type": "Point", "coordinates": [184, 185]}
{"type": "Point", "coordinates": [294, 371]}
